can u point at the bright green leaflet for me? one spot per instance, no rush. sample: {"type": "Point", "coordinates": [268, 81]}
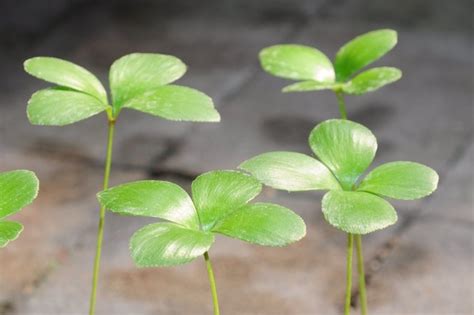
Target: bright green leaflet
{"type": "Point", "coordinates": [9, 231]}
{"type": "Point", "coordinates": [168, 244]}
{"type": "Point", "coordinates": [17, 190]}
{"type": "Point", "coordinates": [137, 73]}
{"type": "Point", "coordinates": [304, 86]}
{"type": "Point", "coordinates": [357, 212]}
{"type": "Point", "coordinates": [218, 193]}
{"type": "Point", "coordinates": [401, 180]}
{"type": "Point", "coordinates": [263, 224]}
{"type": "Point", "coordinates": [345, 147]}
{"type": "Point", "coordinates": [220, 199]}
{"type": "Point", "coordinates": [362, 51]}
{"type": "Point", "coordinates": [174, 102]}
{"type": "Point", "coordinates": [372, 80]}
{"type": "Point", "coordinates": [67, 74]}
{"type": "Point", "coordinates": [290, 171]}
{"type": "Point", "coordinates": [60, 106]}
{"type": "Point", "coordinates": [151, 198]}
{"type": "Point", "coordinates": [297, 62]}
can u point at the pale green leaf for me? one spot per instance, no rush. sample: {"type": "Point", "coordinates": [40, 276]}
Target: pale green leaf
{"type": "Point", "coordinates": [401, 180]}
{"type": "Point", "coordinates": [263, 224]}
{"type": "Point", "coordinates": [290, 171]}
{"type": "Point", "coordinates": [176, 102]}
{"type": "Point", "coordinates": [310, 85]}
{"type": "Point", "coordinates": [151, 198]}
{"type": "Point", "coordinates": [372, 80]}
{"type": "Point", "coordinates": [17, 190]}
{"type": "Point", "coordinates": [137, 73]}
{"type": "Point", "coordinates": [345, 147]}
{"type": "Point", "coordinates": [362, 51]}
{"type": "Point", "coordinates": [357, 212]}
{"type": "Point", "coordinates": [217, 193]}
{"type": "Point", "coordinates": [60, 106]}
{"type": "Point", "coordinates": [9, 231]}
{"type": "Point", "coordinates": [168, 244]}
{"type": "Point", "coordinates": [67, 74]}
{"type": "Point", "coordinates": [297, 62]}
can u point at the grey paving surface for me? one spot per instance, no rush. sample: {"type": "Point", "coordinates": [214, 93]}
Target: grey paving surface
{"type": "Point", "coordinates": [423, 265]}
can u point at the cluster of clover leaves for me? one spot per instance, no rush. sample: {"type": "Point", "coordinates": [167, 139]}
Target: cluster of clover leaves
{"type": "Point", "coordinates": [138, 81]}
{"type": "Point", "coordinates": [345, 149]}
{"type": "Point", "coordinates": [17, 190]}
{"type": "Point", "coordinates": [220, 199]}
{"type": "Point", "coordinates": [141, 82]}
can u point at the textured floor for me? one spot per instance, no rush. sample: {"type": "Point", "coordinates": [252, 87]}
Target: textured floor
{"type": "Point", "coordinates": [421, 266]}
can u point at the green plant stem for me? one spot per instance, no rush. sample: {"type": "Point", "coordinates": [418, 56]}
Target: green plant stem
{"type": "Point", "coordinates": [342, 104]}
{"type": "Point", "coordinates": [360, 269]}
{"type": "Point", "coordinates": [350, 249]}
{"type": "Point", "coordinates": [213, 283]}
{"type": "Point", "coordinates": [360, 257]}
{"type": "Point", "coordinates": [100, 231]}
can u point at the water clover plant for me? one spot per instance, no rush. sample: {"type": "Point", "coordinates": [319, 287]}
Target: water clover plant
{"type": "Point", "coordinates": [138, 81]}
{"type": "Point", "coordinates": [17, 190]}
{"type": "Point", "coordinates": [314, 70]}
{"type": "Point", "coordinates": [219, 205]}
{"type": "Point", "coordinates": [345, 150]}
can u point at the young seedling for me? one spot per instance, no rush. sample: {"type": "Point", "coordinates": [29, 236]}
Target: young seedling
{"type": "Point", "coordinates": [138, 81]}
{"type": "Point", "coordinates": [219, 205]}
{"type": "Point", "coordinates": [345, 150]}
{"type": "Point", "coordinates": [17, 190]}
{"type": "Point", "coordinates": [314, 70]}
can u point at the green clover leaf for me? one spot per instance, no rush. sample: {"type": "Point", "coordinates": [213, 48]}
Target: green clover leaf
{"type": "Point", "coordinates": [297, 62]}
{"type": "Point", "coordinates": [316, 72]}
{"type": "Point", "coordinates": [138, 81]}
{"type": "Point", "coordinates": [219, 205]}
{"type": "Point", "coordinates": [17, 190]}
{"type": "Point", "coordinates": [345, 150]}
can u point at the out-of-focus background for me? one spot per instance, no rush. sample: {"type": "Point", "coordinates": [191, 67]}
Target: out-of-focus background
{"type": "Point", "coordinates": [422, 265]}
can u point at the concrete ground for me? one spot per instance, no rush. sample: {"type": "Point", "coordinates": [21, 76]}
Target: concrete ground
{"type": "Point", "coordinates": [423, 265]}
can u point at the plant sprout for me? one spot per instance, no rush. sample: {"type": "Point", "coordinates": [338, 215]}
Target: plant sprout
{"type": "Point", "coordinates": [17, 189]}
{"type": "Point", "coordinates": [345, 150]}
{"type": "Point", "coordinates": [138, 81]}
{"type": "Point", "coordinates": [314, 70]}
{"type": "Point", "coordinates": [219, 205]}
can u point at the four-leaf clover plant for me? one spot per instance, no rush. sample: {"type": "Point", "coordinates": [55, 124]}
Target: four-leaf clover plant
{"type": "Point", "coordinates": [17, 189]}
{"type": "Point", "coordinates": [139, 81]}
{"type": "Point", "coordinates": [345, 150]}
{"type": "Point", "coordinates": [219, 205]}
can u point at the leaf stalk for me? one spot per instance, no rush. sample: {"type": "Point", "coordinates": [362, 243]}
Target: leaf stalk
{"type": "Point", "coordinates": [212, 282]}
{"type": "Point", "coordinates": [350, 249]}
{"type": "Point", "coordinates": [360, 269]}
{"type": "Point", "coordinates": [100, 230]}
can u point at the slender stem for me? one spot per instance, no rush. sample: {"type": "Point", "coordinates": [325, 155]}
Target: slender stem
{"type": "Point", "coordinates": [350, 249]}
{"type": "Point", "coordinates": [213, 283]}
{"type": "Point", "coordinates": [360, 268]}
{"type": "Point", "coordinates": [100, 231]}
{"type": "Point", "coordinates": [342, 104]}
